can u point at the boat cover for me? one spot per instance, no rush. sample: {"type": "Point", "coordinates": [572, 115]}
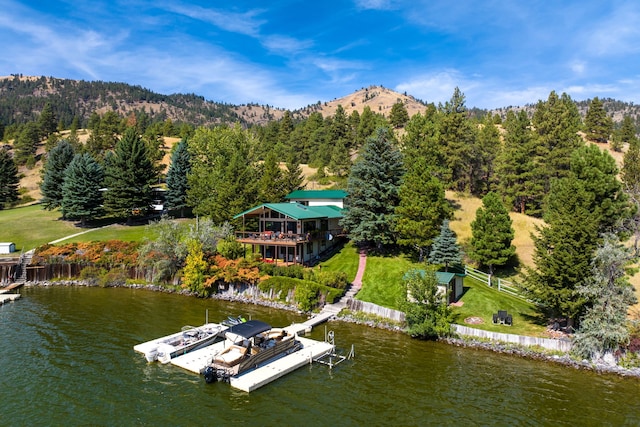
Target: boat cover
{"type": "Point", "coordinates": [249, 329]}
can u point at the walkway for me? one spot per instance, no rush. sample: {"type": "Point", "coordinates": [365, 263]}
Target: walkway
{"type": "Point", "coordinates": [356, 285]}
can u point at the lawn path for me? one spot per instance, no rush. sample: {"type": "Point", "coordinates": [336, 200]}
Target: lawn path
{"type": "Point", "coordinates": [77, 234]}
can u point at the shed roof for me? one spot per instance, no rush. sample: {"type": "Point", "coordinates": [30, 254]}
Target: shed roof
{"type": "Point", "coordinates": [296, 211]}
{"type": "Point", "coordinates": [317, 194]}
{"type": "Point", "coordinates": [444, 278]}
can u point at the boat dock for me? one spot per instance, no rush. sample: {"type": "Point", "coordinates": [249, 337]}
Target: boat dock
{"type": "Point", "coordinates": [6, 297]}
{"type": "Point", "coordinates": [196, 362]}
{"type": "Point", "coordinates": [252, 380]}
{"type": "Point", "coordinates": [305, 327]}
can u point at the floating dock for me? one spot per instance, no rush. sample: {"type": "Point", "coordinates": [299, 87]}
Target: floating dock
{"type": "Point", "coordinates": [6, 297]}
{"type": "Point", "coordinates": [196, 362]}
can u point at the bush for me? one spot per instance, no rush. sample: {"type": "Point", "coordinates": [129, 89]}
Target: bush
{"type": "Point", "coordinates": [295, 271]}
{"type": "Point", "coordinates": [331, 279]}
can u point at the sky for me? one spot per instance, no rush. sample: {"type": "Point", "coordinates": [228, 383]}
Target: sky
{"type": "Point", "coordinates": [289, 53]}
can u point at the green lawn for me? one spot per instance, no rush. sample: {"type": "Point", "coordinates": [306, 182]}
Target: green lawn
{"type": "Point", "coordinates": [382, 281]}
{"type": "Point", "coordinates": [479, 300]}
{"type": "Point", "coordinates": [32, 226]}
{"type": "Point", "coordinates": [126, 233]}
{"type": "Point", "coordinates": [345, 260]}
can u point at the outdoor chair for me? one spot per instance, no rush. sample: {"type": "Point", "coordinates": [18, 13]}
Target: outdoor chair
{"type": "Point", "coordinates": [495, 318]}
{"type": "Point", "coordinates": [502, 314]}
{"type": "Point", "coordinates": [508, 320]}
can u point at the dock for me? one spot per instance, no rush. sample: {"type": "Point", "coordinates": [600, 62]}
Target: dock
{"type": "Point", "coordinates": [7, 297]}
{"type": "Point", "coordinates": [307, 326]}
{"type": "Point", "coordinates": [256, 378]}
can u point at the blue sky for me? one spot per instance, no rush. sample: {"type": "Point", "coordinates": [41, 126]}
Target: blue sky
{"type": "Point", "coordinates": [290, 54]}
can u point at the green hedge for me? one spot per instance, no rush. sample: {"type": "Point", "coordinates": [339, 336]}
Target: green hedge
{"type": "Point", "coordinates": [307, 293]}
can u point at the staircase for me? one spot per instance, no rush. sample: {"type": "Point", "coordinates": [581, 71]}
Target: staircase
{"type": "Point", "coordinates": [21, 271]}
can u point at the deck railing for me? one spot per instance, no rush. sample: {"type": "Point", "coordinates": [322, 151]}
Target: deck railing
{"type": "Point", "coordinates": [277, 236]}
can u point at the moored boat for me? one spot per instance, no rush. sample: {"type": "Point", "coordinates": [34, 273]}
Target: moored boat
{"type": "Point", "coordinates": [249, 345]}
{"type": "Point", "coordinates": [188, 339]}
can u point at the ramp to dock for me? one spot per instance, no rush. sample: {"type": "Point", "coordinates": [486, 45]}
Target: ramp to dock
{"type": "Point", "coordinates": [256, 378]}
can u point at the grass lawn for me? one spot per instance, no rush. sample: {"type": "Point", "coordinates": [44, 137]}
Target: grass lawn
{"type": "Point", "coordinates": [32, 226]}
{"type": "Point", "coordinates": [479, 300]}
{"type": "Point", "coordinates": [382, 281]}
{"type": "Point", "coordinates": [126, 233]}
{"type": "Point", "coordinates": [345, 260]}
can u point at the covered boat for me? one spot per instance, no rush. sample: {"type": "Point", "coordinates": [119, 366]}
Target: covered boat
{"type": "Point", "coordinates": [249, 345]}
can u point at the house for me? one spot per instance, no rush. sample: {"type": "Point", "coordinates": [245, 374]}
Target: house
{"type": "Point", "coordinates": [293, 232]}
{"type": "Point", "coordinates": [318, 197]}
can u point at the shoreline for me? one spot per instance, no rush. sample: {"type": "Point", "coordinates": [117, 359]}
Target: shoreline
{"type": "Point", "coordinates": [468, 342]}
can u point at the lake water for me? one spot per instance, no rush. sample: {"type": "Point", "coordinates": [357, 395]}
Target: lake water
{"type": "Point", "coordinates": [66, 358]}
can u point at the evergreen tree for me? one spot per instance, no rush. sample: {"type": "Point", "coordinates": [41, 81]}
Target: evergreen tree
{"type": "Point", "coordinates": [457, 138]}
{"type": "Point", "coordinates": [26, 144]}
{"type": "Point", "coordinates": [293, 176]}
{"type": "Point", "coordinates": [563, 250]}
{"type": "Point", "coordinates": [340, 161]}
{"type": "Point", "coordinates": [58, 159]}
{"type": "Point", "coordinates": [9, 180]}
{"type": "Point", "coordinates": [492, 234]}
{"type": "Point", "coordinates": [625, 135]}
{"type": "Point", "coordinates": [485, 153]}
{"type": "Point", "coordinates": [630, 175]}
{"type": "Point", "coordinates": [271, 185]}
{"type": "Point", "coordinates": [367, 126]}
{"type": "Point", "coordinates": [422, 207]}
{"type": "Point", "coordinates": [177, 178]}
{"type": "Point", "coordinates": [556, 122]}
{"type": "Point", "coordinates": [597, 124]}
{"type": "Point", "coordinates": [286, 127]}
{"type": "Point", "coordinates": [81, 195]}
{"type": "Point", "coordinates": [515, 164]}
{"type": "Point", "coordinates": [372, 190]}
{"type": "Point", "coordinates": [603, 327]}
{"type": "Point", "coordinates": [223, 175]}
{"type": "Point", "coordinates": [445, 249]}
{"type": "Point", "coordinates": [47, 121]}
{"type": "Point", "coordinates": [399, 115]}
{"type": "Point", "coordinates": [129, 174]}
{"type": "Point", "coordinates": [427, 309]}
{"type": "Point", "coordinates": [421, 140]}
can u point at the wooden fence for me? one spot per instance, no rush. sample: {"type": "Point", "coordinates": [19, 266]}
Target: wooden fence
{"type": "Point", "coordinates": [494, 282]}
{"type": "Point", "coordinates": [369, 307]}
{"type": "Point", "coordinates": [550, 344]}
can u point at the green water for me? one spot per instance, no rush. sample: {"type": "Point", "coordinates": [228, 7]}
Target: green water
{"type": "Point", "coordinates": [66, 358]}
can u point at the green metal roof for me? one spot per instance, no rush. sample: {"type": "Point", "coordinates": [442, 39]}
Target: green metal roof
{"type": "Point", "coordinates": [444, 278]}
{"type": "Point", "coordinates": [296, 211]}
{"type": "Point", "coordinates": [317, 194]}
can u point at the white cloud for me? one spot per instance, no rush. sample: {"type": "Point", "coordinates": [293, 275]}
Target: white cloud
{"type": "Point", "coordinates": [284, 44]}
{"type": "Point", "coordinates": [241, 23]}
{"type": "Point", "coordinates": [375, 4]}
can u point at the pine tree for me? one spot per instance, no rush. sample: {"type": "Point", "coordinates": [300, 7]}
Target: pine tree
{"type": "Point", "coordinates": [81, 195]}
{"type": "Point", "coordinates": [271, 185]}
{"type": "Point", "coordinates": [372, 189]}
{"type": "Point", "coordinates": [223, 178]}
{"type": "Point", "coordinates": [556, 122]}
{"type": "Point", "coordinates": [485, 153]}
{"type": "Point", "coordinates": [515, 165]}
{"type": "Point", "coordinates": [293, 176]}
{"type": "Point", "coordinates": [457, 138]}
{"type": "Point", "coordinates": [58, 159]}
{"type": "Point", "coordinates": [445, 249]}
{"type": "Point", "coordinates": [340, 161]}
{"type": "Point", "coordinates": [177, 178]}
{"type": "Point", "coordinates": [399, 115]}
{"type": "Point", "coordinates": [9, 180]}
{"type": "Point", "coordinates": [422, 207]}
{"type": "Point", "coordinates": [625, 135]}
{"type": "Point", "coordinates": [630, 175]}
{"type": "Point", "coordinates": [603, 328]}
{"type": "Point", "coordinates": [492, 234]}
{"type": "Point", "coordinates": [26, 144]}
{"type": "Point", "coordinates": [597, 124]}
{"type": "Point", "coordinates": [47, 121]}
{"type": "Point", "coordinates": [129, 174]}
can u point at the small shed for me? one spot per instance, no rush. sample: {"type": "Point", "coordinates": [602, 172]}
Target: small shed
{"type": "Point", "coordinates": [451, 282]}
{"type": "Point", "coordinates": [7, 247]}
